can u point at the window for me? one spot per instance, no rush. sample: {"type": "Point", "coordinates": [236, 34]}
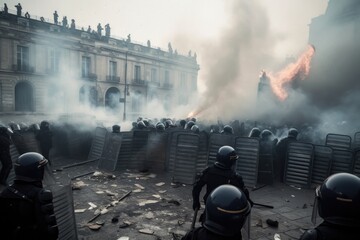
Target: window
{"type": "Point", "coordinates": [54, 61]}
{"type": "Point", "coordinates": [167, 77]}
{"type": "Point", "coordinates": [137, 73]}
{"type": "Point", "coordinates": [153, 75]}
{"type": "Point", "coordinates": [112, 69]}
{"type": "Point", "coordinates": [23, 58]}
{"type": "Point", "coordinates": [182, 80]}
{"type": "Point", "coordinates": [85, 70]}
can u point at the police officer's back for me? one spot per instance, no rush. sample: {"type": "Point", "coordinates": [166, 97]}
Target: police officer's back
{"type": "Point", "coordinates": [337, 201]}
{"type": "Point", "coordinates": [220, 173]}
{"type": "Point", "coordinates": [226, 211]}
{"type": "Point", "coordinates": [26, 209]}
{"type": "Point", "coordinates": [5, 157]}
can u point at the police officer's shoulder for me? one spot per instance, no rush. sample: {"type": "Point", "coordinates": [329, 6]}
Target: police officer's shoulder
{"type": "Point", "coordinates": [45, 196]}
{"type": "Point", "coordinates": [310, 234]}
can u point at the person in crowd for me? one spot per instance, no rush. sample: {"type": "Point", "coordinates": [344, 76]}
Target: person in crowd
{"type": "Point", "coordinates": [18, 9]}
{"type": "Point", "coordinates": [5, 157]}
{"type": "Point", "coordinates": [227, 209]}
{"type": "Point", "coordinates": [220, 173]}
{"type": "Point", "coordinates": [56, 17]}
{"type": "Point", "coordinates": [6, 9]}
{"type": "Point", "coordinates": [255, 132]}
{"type": "Point", "coordinates": [227, 130]}
{"type": "Point", "coordinates": [26, 208]}
{"type": "Point", "coordinates": [281, 150]}
{"type": "Point", "coordinates": [44, 136]}
{"type": "Point", "coordinates": [116, 128]}
{"type": "Point", "coordinates": [337, 202]}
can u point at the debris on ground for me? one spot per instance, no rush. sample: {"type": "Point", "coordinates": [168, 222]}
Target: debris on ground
{"type": "Point", "coordinates": [177, 203]}
{"type": "Point", "coordinates": [272, 223]}
{"type": "Point", "coordinates": [78, 185]}
{"type": "Point", "coordinates": [92, 206]}
{"type": "Point", "coordinates": [81, 210]}
{"type": "Point", "coordinates": [143, 203]}
{"type": "Point", "coordinates": [139, 186]}
{"type": "Point", "coordinates": [304, 206]}
{"type": "Point", "coordinates": [94, 226]}
{"type": "Point", "coordinates": [146, 231]}
{"type": "Point", "coordinates": [123, 238]}
{"type": "Point", "coordinates": [160, 184]}
{"type": "Point", "coordinates": [277, 236]}
{"type": "Point", "coordinates": [259, 223]}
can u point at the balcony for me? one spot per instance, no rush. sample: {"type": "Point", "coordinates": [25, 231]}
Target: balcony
{"type": "Point", "coordinates": [23, 68]}
{"type": "Point", "coordinates": [153, 83]}
{"type": "Point", "coordinates": [112, 78]}
{"type": "Point", "coordinates": [139, 82]}
{"type": "Point", "coordinates": [89, 76]}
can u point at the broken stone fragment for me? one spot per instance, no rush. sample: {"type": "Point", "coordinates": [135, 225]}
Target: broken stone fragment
{"type": "Point", "coordinates": [160, 184]}
{"type": "Point", "coordinates": [139, 186]}
{"type": "Point", "coordinates": [80, 210]}
{"type": "Point", "coordinates": [123, 238]}
{"type": "Point", "coordinates": [94, 226]}
{"type": "Point", "coordinates": [146, 231]}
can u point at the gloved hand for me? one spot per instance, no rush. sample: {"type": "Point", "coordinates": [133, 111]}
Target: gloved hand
{"type": "Point", "coordinates": [196, 205]}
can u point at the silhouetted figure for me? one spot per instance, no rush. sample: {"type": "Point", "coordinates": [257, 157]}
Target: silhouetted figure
{"type": "Point", "coordinates": [18, 9]}
{"type": "Point", "coordinates": [148, 43]}
{"type": "Point", "coordinates": [99, 29]}
{"type": "Point", "coordinates": [42, 19]}
{"type": "Point", "coordinates": [27, 15]}
{"type": "Point", "coordinates": [128, 38]}
{"type": "Point", "coordinates": [72, 26]}
{"type": "Point", "coordinates": [5, 157]}
{"type": "Point", "coordinates": [107, 30]}
{"type": "Point", "coordinates": [44, 136]}
{"type": "Point", "coordinates": [26, 208]}
{"type": "Point", "coordinates": [56, 17]}
{"type": "Point", "coordinates": [65, 22]}
{"type": "Point", "coordinates": [170, 48]}
{"type": "Point", "coordinates": [6, 10]}
{"type": "Point", "coordinates": [89, 29]}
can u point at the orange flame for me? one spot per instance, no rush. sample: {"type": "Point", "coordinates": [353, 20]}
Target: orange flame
{"type": "Point", "coordinates": [300, 68]}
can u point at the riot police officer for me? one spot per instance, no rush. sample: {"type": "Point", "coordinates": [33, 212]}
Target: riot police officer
{"type": "Point", "coordinates": [228, 130]}
{"type": "Point", "coordinates": [337, 201]}
{"type": "Point", "coordinates": [227, 209]}
{"type": "Point", "coordinates": [255, 132]}
{"type": "Point", "coordinates": [26, 208]}
{"type": "Point", "coordinates": [116, 128]}
{"type": "Point", "coordinates": [5, 157]}
{"type": "Point", "coordinates": [44, 136]}
{"type": "Point", "coordinates": [222, 172]}
{"type": "Point", "coordinates": [281, 149]}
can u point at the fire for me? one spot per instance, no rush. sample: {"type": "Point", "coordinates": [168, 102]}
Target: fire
{"type": "Point", "coordinates": [300, 68]}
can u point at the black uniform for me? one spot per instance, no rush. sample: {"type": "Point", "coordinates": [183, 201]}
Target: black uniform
{"type": "Point", "coordinates": [328, 231]}
{"type": "Point", "coordinates": [44, 136]}
{"type": "Point", "coordinates": [202, 233]}
{"type": "Point", "coordinates": [213, 177]}
{"type": "Point", "coordinates": [27, 212]}
{"type": "Point", "coordinates": [5, 157]}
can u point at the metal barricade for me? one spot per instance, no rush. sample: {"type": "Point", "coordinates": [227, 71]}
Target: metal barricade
{"type": "Point", "coordinates": [356, 169]}
{"type": "Point", "coordinates": [25, 142]}
{"type": "Point", "coordinates": [125, 153]}
{"type": "Point", "coordinates": [139, 157]}
{"type": "Point", "coordinates": [215, 142]}
{"type": "Point", "coordinates": [187, 146]}
{"type": "Point", "coordinates": [110, 153]}
{"type": "Point", "coordinates": [98, 142]}
{"type": "Point", "coordinates": [322, 163]}
{"type": "Point", "coordinates": [338, 141]}
{"type": "Point", "coordinates": [202, 158]}
{"type": "Point", "coordinates": [171, 150]}
{"type": "Point", "coordinates": [356, 143]}
{"type": "Point", "coordinates": [248, 162]}
{"type": "Point", "coordinates": [299, 162]}
{"type": "Point", "coordinates": [157, 145]}
{"type": "Point", "coordinates": [343, 161]}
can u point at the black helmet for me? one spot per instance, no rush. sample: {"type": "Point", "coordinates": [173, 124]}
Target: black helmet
{"type": "Point", "coordinates": [168, 123]}
{"type": "Point", "coordinates": [227, 130]}
{"type": "Point", "coordinates": [195, 129]}
{"type": "Point", "coordinates": [293, 132]}
{"type": "Point", "coordinates": [23, 127]}
{"type": "Point", "coordinates": [338, 200]}
{"type": "Point", "coordinates": [182, 123]}
{"type": "Point", "coordinates": [14, 126]}
{"type": "Point", "coordinates": [116, 128]}
{"type": "Point", "coordinates": [146, 122]}
{"type": "Point", "coordinates": [160, 126]}
{"type": "Point", "coordinates": [44, 125]}
{"type": "Point", "coordinates": [193, 119]}
{"type": "Point", "coordinates": [29, 167]}
{"type": "Point", "coordinates": [226, 157]}
{"type": "Point", "coordinates": [266, 134]}
{"type": "Point", "coordinates": [226, 210]}
{"type": "Point", "coordinates": [141, 125]}
{"type": "Point", "coordinates": [255, 132]}
{"type": "Point", "coordinates": [189, 125]}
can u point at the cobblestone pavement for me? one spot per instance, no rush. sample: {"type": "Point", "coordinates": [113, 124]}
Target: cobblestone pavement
{"type": "Point", "coordinates": [158, 209]}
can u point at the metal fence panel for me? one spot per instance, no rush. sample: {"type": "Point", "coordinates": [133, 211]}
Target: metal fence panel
{"type": "Point", "coordinates": [157, 145]}
{"type": "Point", "coordinates": [248, 162]}
{"type": "Point", "coordinates": [110, 153]}
{"type": "Point", "coordinates": [322, 163]}
{"type": "Point", "coordinates": [343, 161]}
{"type": "Point", "coordinates": [125, 150]}
{"type": "Point", "coordinates": [187, 146]}
{"type": "Point", "coordinates": [215, 142]}
{"type": "Point", "coordinates": [97, 144]}
{"type": "Point", "coordinates": [356, 169]}
{"type": "Point", "coordinates": [338, 141]}
{"type": "Point", "coordinates": [139, 150]}
{"type": "Point", "coordinates": [299, 161]}
{"type": "Point", "coordinates": [171, 150]}
{"type": "Point", "coordinates": [202, 159]}
{"type": "Point", "coordinates": [25, 142]}
{"type": "Point", "coordinates": [64, 211]}
{"type": "Point", "coordinates": [356, 144]}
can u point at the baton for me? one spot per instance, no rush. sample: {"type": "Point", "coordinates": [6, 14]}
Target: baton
{"type": "Point", "coordinates": [194, 219]}
{"type": "Point", "coordinates": [263, 205]}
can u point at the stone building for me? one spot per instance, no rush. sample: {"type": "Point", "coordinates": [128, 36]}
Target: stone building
{"type": "Point", "coordinates": [50, 67]}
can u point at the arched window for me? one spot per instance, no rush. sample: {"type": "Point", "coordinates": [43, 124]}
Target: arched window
{"type": "Point", "coordinates": [112, 98]}
{"type": "Point", "coordinates": [24, 97]}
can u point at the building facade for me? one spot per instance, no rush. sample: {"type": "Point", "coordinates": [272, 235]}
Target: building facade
{"type": "Point", "coordinates": [48, 67]}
